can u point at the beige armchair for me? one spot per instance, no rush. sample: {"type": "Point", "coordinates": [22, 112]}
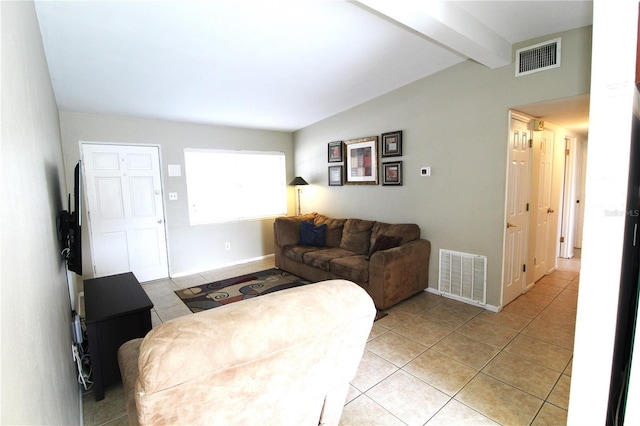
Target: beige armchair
{"type": "Point", "coordinates": [285, 358]}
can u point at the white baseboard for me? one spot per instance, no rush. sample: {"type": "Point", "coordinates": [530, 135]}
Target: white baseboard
{"type": "Point", "coordinates": [226, 265]}
{"type": "Point", "coordinates": [491, 308]}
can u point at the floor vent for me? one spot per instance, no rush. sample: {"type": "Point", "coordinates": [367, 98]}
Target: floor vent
{"type": "Point", "coordinates": [463, 276]}
{"type": "Point", "coordinates": [539, 57]}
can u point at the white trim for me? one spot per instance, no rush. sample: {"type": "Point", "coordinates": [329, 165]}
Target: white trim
{"type": "Point", "coordinates": [491, 308]}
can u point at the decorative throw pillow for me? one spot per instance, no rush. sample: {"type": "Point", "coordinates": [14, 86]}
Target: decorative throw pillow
{"type": "Point", "coordinates": [384, 242]}
{"type": "Point", "coordinates": [311, 235]}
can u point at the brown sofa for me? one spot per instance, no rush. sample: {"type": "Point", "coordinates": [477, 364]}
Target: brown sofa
{"type": "Point", "coordinates": [284, 358]}
{"type": "Point", "coordinates": [355, 250]}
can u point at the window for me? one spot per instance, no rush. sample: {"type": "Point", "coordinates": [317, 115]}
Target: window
{"type": "Point", "coordinates": [224, 186]}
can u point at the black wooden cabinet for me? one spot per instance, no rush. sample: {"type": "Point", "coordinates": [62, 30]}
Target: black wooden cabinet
{"type": "Point", "coordinates": [117, 310]}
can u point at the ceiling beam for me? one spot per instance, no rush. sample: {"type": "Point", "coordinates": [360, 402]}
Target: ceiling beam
{"type": "Point", "coordinates": [447, 24]}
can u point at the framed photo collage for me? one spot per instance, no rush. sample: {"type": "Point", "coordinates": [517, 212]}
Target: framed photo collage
{"type": "Point", "coordinates": [358, 160]}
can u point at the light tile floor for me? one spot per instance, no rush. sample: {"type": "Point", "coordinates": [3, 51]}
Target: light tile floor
{"type": "Point", "coordinates": [434, 360]}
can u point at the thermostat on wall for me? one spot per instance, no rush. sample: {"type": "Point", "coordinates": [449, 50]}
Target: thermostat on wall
{"type": "Point", "coordinates": [425, 171]}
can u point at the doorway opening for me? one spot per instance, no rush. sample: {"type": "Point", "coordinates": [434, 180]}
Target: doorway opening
{"type": "Point", "coordinates": [555, 189]}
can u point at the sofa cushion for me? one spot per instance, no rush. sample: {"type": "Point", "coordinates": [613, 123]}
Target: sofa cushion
{"type": "Point", "coordinates": [353, 268]}
{"type": "Point", "coordinates": [288, 228]}
{"type": "Point", "coordinates": [356, 235]}
{"type": "Point", "coordinates": [384, 242]}
{"type": "Point", "coordinates": [321, 258]}
{"type": "Point", "coordinates": [334, 229]}
{"type": "Point", "coordinates": [312, 235]}
{"type": "Point", "coordinates": [296, 252]}
{"type": "Point", "coordinates": [407, 231]}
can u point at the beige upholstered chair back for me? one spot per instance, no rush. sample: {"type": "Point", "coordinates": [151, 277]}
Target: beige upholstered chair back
{"type": "Point", "coordinates": [281, 359]}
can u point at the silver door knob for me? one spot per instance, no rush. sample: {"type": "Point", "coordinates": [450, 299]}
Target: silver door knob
{"type": "Point", "coordinates": [159, 220]}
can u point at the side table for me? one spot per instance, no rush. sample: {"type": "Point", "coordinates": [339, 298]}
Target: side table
{"type": "Point", "coordinates": [117, 309]}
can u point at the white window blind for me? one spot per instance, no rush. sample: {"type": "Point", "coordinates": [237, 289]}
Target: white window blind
{"type": "Point", "coordinates": [224, 186]}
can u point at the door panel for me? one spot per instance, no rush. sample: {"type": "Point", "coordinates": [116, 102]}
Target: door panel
{"type": "Point", "coordinates": [112, 247]}
{"type": "Point", "coordinates": [126, 212]}
{"type": "Point", "coordinates": [143, 238]}
{"type": "Point", "coordinates": [105, 161]}
{"type": "Point", "coordinates": [516, 214]}
{"type": "Point", "coordinates": [142, 197]}
{"type": "Point", "coordinates": [543, 207]}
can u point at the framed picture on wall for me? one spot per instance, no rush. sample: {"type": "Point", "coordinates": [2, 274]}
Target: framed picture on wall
{"type": "Point", "coordinates": [392, 173]}
{"type": "Point", "coordinates": [335, 176]}
{"type": "Point", "coordinates": [392, 144]}
{"type": "Point", "coordinates": [335, 152]}
{"type": "Point", "coordinates": [361, 157]}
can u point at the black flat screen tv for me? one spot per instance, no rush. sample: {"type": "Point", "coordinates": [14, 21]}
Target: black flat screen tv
{"type": "Point", "coordinates": [74, 261]}
{"type": "Point", "coordinates": [69, 224]}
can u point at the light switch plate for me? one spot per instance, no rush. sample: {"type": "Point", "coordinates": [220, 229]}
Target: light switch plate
{"type": "Point", "coordinates": [425, 171]}
{"type": "Point", "coordinates": [173, 196]}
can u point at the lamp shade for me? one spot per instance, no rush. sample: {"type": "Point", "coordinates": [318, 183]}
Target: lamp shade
{"type": "Point", "coordinates": [298, 181]}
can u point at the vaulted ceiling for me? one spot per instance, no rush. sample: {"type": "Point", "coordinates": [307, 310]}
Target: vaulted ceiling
{"type": "Point", "coordinates": [279, 64]}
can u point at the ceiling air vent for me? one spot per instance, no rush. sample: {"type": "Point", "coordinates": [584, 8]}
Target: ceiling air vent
{"type": "Point", "coordinates": [539, 57]}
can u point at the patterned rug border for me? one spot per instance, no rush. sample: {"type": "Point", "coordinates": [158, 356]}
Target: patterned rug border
{"type": "Point", "coordinates": [229, 290]}
{"type": "Point", "coordinates": [222, 292]}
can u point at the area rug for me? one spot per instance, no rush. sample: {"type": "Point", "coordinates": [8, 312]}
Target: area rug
{"type": "Point", "coordinates": [220, 293]}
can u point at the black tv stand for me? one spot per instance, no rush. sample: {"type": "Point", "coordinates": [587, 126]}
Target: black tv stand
{"type": "Point", "coordinates": [117, 309]}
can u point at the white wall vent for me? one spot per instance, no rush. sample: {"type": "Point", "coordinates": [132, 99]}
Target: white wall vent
{"type": "Point", "coordinates": [539, 57]}
{"type": "Point", "coordinates": [463, 276]}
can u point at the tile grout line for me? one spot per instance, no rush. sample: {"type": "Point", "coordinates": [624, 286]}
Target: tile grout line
{"type": "Point", "coordinates": [480, 371]}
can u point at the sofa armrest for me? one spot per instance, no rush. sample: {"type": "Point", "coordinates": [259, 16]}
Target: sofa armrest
{"type": "Point", "coordinates": [128, 362]}
{"type": "Point", "coordinates": [399, 272]}
{"type": "Point", "coordinates": [287, 230]}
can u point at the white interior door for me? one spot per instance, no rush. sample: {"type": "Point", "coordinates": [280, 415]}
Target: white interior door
{"type": "Point", "coordinates": [125, 210]}
{"type": "Point", "coordinates": [516, 209]}
{"type": "Point", "coordinates": [542, 257]}
{"type": "Point", "coordinates": [581, 163]}
{"type": "Point", "coordinates": [569, 198]}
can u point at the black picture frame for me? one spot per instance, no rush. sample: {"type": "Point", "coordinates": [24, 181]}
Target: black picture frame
{"type": "Point", "coordinates": [392, 173]}
{"type": "Point", "coordinates": [392, 144]}
{"type": "Point", "coordinates": [334, 154]}
{"type": "Point", "coordinates": [335, 176]}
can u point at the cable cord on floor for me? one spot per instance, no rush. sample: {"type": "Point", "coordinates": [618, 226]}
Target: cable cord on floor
{"type": "Point", "coordinates": [84, 368]}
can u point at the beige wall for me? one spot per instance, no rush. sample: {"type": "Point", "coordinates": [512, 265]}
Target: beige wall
{"type": "Point", "coordinates": [191, 248]}
{"type": "Point", "coordinates": [456, 122]}
{"type": "Point", "coordinates": [39, 383]}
